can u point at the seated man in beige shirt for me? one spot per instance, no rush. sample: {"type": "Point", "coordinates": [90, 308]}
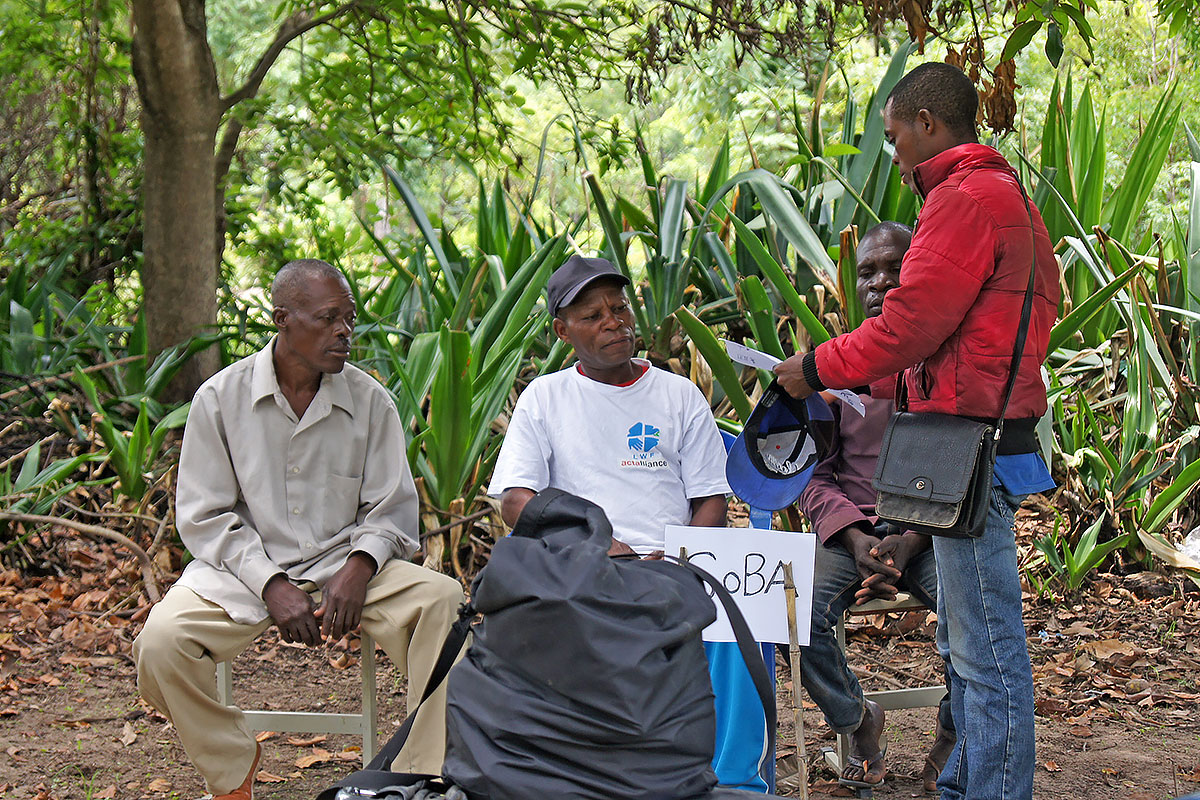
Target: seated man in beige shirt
{"type": "Point", "coordinates": [296, 501]}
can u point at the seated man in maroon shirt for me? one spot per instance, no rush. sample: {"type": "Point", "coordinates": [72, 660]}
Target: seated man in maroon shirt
{"type": "Point", "coordinates": [861, 558]}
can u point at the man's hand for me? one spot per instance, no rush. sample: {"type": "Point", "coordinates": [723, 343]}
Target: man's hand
{"type": "Point", "coordinates": [871, 569]}
{"type": "Point", "coordinates": [895, 550]}
{"type": "Point", "coordinates": [292, 609]}
{"type": "Point", "coordinates": [790, 375]}
{"type": "Point", "coordinates": [343, 596]}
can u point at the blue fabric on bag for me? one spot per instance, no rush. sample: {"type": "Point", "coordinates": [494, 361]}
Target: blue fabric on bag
{"type": "Point", "coordinates": [1023, 473]}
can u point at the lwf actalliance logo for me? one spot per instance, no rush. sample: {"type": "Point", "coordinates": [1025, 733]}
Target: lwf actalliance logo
{"type": "Point", "coordinates": [643, 439]}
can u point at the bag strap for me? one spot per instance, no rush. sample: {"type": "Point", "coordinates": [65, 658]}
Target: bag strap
{"type": "Point", "coordinates": [1026, 313]}
{"type": "Point", "coordinates": [746, 643]}
{"type": "Point", "coordinates": [455, 640]}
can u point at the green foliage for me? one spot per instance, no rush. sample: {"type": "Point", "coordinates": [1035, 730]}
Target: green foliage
{"type": "Point", "coordinates": [131, 454]}
{"type": "Point", "coordinates": [35, 489]}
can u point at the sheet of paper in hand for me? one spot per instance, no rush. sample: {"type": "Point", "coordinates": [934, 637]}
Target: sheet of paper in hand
{"type": "Point", "coordinates": [749, 563]}
{"type": "Point", "coordinates": [740, 354]}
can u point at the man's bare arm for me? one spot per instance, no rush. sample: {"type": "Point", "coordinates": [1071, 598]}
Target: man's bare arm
{"type": "Point", "coordinates": [512, 503]}
{"type": "Point", "coordinates": [709, 512]}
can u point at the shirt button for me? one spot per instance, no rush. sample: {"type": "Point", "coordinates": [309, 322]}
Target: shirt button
{"type": "Point", "coordinates": [308, 546]}
{"type": "Point", "coordinates": [295, 511]}
{"type": "Point", "coordinates": [295, 470]}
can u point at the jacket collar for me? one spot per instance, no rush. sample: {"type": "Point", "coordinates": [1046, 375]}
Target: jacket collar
{"type": "Point", "coordinates": [334, 388]}
{"type": "Point", "coordinates": [929, 174]}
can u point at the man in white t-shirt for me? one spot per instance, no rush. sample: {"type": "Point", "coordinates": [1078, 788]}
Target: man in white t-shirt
{"type": "Point", "coordinates": [639, 442]}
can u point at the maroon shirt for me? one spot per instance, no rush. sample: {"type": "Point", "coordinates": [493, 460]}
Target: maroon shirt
{"type": "Point", "coordinates": [840, 492]}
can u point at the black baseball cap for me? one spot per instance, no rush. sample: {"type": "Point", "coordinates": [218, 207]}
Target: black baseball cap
{"type": "Point", "coordinates": [575, 275]}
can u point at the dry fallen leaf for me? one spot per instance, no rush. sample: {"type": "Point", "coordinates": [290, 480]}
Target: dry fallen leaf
{"type": "Point", "coordinates": [1082, 731]}
{"type": "Point", "coordinates": [268, 777]}
{"type": "Point", "coordinates": [1105, 648]}
{"type": "Point", "coordinates": [318, 756]}
{"type": "Point", "coordinates": [128, 734]}
{"type": "Point", "coordinates": [107, 793]}
{"type": "Point", "coordinates": [309, 742]}
{"type": "Point", "coordinates": [1052, 766]}
{"type": "Point", "coordinates": [262, 736]}
{"type": "Point", "coordinates": [159, 785]}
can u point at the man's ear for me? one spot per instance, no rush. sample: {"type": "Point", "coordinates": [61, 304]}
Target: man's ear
{"type": "Point", "coordinates": [279, 316]}
{"type": "Point", "coordinates": [926, 121]}
{"type": "Point", "coordinates": [560, 329]}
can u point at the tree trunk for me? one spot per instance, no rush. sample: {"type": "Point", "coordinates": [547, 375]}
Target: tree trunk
{"type": "Point", "coordinates": [181, 110]}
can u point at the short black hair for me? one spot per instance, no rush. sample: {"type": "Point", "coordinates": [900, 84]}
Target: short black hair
{"type": "Point", "coordinates": [944, 90]}
{"type": "Point", "coordinates": [885, 227]}
{"type": "Point", "coordinates": [293, 277]}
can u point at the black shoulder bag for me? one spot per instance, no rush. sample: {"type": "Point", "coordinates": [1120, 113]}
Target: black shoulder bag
{"type": "Point", "coordinates": [934, 474]}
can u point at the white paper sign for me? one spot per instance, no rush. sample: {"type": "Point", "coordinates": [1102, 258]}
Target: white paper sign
{"type": "Point", "coordinates": [749, 563]}
{"type": "Point", "coordinates": [740, 354]}
{"type": "Point", "coordinates": [851, 399]}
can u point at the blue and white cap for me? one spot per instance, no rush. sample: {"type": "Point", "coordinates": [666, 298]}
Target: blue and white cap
{"type": "Point", "coordinates": [777, 451]}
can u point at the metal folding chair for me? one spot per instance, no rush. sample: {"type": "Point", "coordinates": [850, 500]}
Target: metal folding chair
{"type": "Point", "coordinates": [360, 724]}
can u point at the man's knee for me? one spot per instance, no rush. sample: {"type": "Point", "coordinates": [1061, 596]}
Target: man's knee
{"type": "Point", "coordinates": [446, 592]}
{"type": "Point", "coordinates": [157, 642]}
{"type": "Point", "coordinates": [157, 650]}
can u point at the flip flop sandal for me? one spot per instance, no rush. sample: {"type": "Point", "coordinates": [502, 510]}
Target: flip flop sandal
{"type": "Point", "coordinates": [863, 765]}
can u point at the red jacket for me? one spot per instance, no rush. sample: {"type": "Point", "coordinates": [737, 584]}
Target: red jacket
{"type": "Point", "coordinates": [952, 321]}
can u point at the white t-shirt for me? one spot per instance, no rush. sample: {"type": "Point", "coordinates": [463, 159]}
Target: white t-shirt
{"type": "Point", "coordinates": [640, 452]}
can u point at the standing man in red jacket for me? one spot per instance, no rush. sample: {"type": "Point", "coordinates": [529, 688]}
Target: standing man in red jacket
{"type": "Point", "coordinates": [951, 324]}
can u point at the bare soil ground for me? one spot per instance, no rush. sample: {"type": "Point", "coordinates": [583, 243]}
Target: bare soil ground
{"type": "Point", "coordinates": [1117, 672]}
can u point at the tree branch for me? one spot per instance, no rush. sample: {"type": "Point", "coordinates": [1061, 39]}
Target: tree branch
{"type": "Point", "coordinates": [295, 25]}
{"type": "Point", "coordinates": [98, 532]}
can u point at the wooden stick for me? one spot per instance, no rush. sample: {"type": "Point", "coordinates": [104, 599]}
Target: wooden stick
{"type": "Point", "coordinates": [63, 376]}
{"type": "Point", "coordinates": [96, 531]}
{"type": "Point", "coordinates": [789, 592]}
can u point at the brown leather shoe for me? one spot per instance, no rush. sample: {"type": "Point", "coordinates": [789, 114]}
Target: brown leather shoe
{"type": "Point", "coordinates": [246, 790]}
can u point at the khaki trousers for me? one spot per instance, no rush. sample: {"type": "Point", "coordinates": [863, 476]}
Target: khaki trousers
{"type": "Point", "coordinates": [408, 611]}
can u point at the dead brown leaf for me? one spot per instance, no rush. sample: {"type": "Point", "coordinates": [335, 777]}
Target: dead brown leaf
{"type": "Point", "coordinates": [1082, 731]}
{"type": "Point", "coordinates": [309, 742]}
{"type": "Point", "coordinates": [1052, 766]}
{"type": "Point", "coordinates": [159, 785]}
{"type": "Point", "coordinates": [107, 793]}
{"type": "Point", "coordinates": [128, 734]}
{"type": "Point", "coordinates": [269, 777]}
{"type": "Point", "coordinates": [1106, 648]}
{"type": "Point", "coordinates": [318, 756]}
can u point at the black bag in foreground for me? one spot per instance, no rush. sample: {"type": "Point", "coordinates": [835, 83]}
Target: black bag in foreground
{"type": "Point", "coordinates": [587, 678]}
{"type": "Point", "coordinates": [934, 473]}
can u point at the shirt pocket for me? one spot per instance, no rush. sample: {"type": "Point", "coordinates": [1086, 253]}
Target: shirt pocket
{"type": "Point", "coordinates": [341, 502]}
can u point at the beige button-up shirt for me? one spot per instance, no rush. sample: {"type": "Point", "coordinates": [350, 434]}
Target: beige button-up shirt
{"type": "Point", "coordinates": [261, 492]}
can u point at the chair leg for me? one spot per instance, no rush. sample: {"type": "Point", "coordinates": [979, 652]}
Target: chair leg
{"type": "Point", "coordinates": [225, 682]}
{"type": "Point", "coordinates": [367, 657]}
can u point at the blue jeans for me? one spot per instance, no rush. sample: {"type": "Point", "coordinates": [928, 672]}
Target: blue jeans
{"type": "Point", "coordinates": [825, 674]}
{"type": "Point", "coordinates": [991, 685]}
